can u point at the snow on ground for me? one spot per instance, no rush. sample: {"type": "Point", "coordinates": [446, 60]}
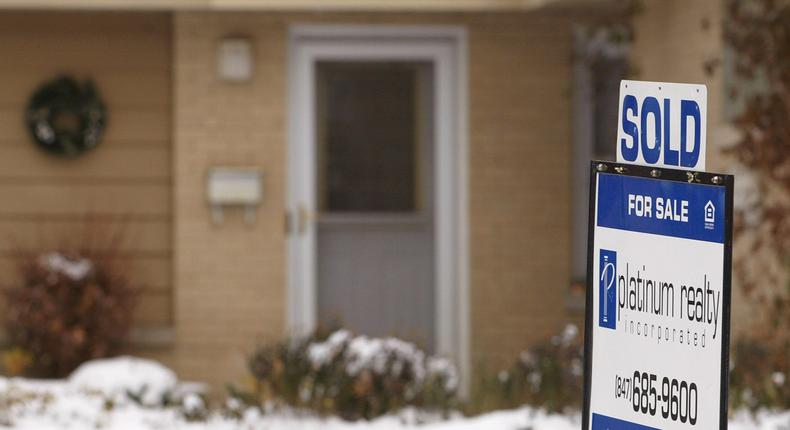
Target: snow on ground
{"type": "Point", "coordinates": [114, 378]}
{"type": "Point", "coordinates": [92, 399]}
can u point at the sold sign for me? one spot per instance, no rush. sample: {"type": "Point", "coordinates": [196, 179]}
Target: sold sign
{"type": "Point", "coordinates": [662, 124]}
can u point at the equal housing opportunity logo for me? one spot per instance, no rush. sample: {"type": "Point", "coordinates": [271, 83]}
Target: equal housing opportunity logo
{"type": "Point", "coordinates": [607, 291]}
{"type": "Point", "coordinates": [710, 215]}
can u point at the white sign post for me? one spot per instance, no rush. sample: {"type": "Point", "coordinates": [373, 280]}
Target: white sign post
{"type": "Point", "coordinates": [659, 269]}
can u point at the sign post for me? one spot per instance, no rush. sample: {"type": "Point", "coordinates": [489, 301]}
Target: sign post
{"type": "Point", "coordinates": [659, 274]}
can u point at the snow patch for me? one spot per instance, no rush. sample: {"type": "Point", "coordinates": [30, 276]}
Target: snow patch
{"type": "Point", "coordinates": [322, 353]}
{"type": "Point", "coordinates": [381, 355]}
{"type": "Point", "coordinates": [116, 378]}
{"type": "Point", "coordinates": [75, 270]}
{"type": "Point", "coordinates": [442, 367]}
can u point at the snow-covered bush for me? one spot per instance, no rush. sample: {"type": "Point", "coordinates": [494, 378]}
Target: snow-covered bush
{"type": "Point", "coordinates": [352, 376]}
{"type": "Point", "coordinates": [548, 375]}
{"type": "Point", "coordinates": [70, 307]}
{"type": "Point", "coordinates": [193, 407]}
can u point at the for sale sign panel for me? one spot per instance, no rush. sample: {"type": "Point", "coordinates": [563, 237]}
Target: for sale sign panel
{"type": "Point", "coordinates": [658, 303]}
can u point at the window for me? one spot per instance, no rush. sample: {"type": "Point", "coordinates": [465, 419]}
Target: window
{"type": "Point", "coordinates": [367, 136]}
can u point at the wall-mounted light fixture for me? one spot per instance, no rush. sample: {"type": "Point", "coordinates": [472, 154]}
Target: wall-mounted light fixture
{"type": "Point", "coordinates": [234, 187]}
{"type": "Point", "coordinates": [234, 59]}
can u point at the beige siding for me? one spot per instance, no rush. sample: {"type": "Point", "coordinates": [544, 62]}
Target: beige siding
{"type": "Point", "coordinates": [127, 179]}
{"type": "Point", "coordinates": [231, 278]}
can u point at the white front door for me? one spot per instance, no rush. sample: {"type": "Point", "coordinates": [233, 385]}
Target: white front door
{"type": "Point", "coordinates": [377, 183]}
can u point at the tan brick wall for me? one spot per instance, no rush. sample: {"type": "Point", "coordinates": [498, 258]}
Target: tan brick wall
{"type": "Point", "coordinates": [519, 158]}
{"type": "Point", "coordinates": [127, 179]}
{"type": "Point", "coordinates": [231, 278]}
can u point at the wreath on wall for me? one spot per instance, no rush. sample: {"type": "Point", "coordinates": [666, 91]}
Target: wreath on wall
{"type": "Point", "coordinates": [65, 118]}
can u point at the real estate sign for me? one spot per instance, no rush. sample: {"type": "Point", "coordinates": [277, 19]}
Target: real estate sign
{"type": "Point", "coordinates": [662, 124]}
{"type": "Point", "coordinates": [658, 299]}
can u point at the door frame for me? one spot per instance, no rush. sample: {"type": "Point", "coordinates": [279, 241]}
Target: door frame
{"type": "Point", "coordinates": [446, 48]}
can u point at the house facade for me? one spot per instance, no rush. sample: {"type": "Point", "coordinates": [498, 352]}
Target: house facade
{"type": "Point", "coordinates": [444, 215]}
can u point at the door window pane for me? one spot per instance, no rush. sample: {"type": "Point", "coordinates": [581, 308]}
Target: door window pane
{"type": "Point", "coordinates": [367, 128]}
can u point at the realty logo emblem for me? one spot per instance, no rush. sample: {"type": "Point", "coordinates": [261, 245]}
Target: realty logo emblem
{"type": "Point", "coordinates": [607, 293]}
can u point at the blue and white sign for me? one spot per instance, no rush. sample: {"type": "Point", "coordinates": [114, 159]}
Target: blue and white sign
{"type": "Point", "coordinates": [666, 208]}
{"type": "Point", "coordinates": [662, 124]}
{"type": "Point", "coordinates": [659, 314]}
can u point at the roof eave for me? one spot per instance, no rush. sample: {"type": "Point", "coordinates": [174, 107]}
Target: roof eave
{"type": "Point", "coordinates": [300, 5]}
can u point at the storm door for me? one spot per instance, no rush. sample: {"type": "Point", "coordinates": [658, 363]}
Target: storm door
{"type": "Point", "coordinates": [374, 184]}
{"type": "Point", "coordinates": [376, 214]}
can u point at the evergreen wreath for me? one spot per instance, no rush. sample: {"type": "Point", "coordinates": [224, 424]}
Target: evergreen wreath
{"type": "Point", "coordinates": [66, 118]}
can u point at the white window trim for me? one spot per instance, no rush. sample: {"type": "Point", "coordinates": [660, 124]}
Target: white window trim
{"type": "Point", "coordinates": [446, 48]}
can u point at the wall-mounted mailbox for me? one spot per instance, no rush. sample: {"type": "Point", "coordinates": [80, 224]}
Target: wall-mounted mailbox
{"type": "Point", "coordinates": [234, 187]}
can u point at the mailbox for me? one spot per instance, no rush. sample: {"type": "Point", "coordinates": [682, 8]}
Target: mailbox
{"type": "Point", "coordinates": [234, 187]}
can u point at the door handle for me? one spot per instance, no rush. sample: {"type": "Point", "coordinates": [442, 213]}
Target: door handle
{"type": "Point", "coordinates": [302, 216]}
{"type": "Point", "coordinates": [299, 222]}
